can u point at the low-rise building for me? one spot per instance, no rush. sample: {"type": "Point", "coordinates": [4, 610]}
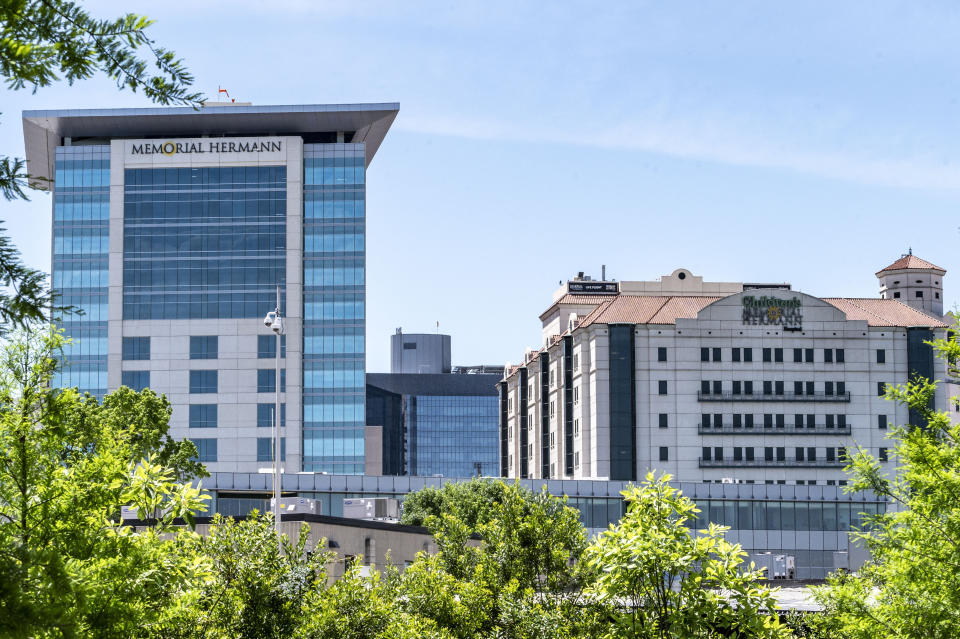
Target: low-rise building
{"type": "Point", "coordinates": [718, 381]}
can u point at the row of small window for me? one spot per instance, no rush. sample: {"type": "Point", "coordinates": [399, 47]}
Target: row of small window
{"type": "Point", "coordinates": [716, 420]}
{"type": "Point", "coordinates": [745, 354]}
{"type": "Point", "coordinates": [88, 176]}
{"type": "Point", "coordinates": [79, 277]}
{"type": "Point", "coordinates": [206, 381]}
{"type": "Point", "coordinates": [81, 241]}
{"type": "Point", "coordinates": [326, 204]}
{"type": "Point", "coordinates": [205, 415]}
{"type": "Point", "coordinates": [204, 208]}
{"type": "Point", "coordinates": [203, 347]}
{"type": "Point", "coordinates": [333, 243]}
{"type": "Point", "coordinates": [328, 174]}
{"type": "Point", "coordinates": [769, 388]}
{"type": "Point", "coordinates": [206, 239]}
{"type": "Point", "coordinates": [346, 306]}
{"type": "Point", "coordinates": [207, 449]}
{"type": "Point", "coordinates": [786, 515]}
{"type": "Point", "coordinates": [779, 453]}
{"type": "Point", "coordinates": [781, 482]}
{"type": "Point", "coordinates": [206, 177]}
{"type": "Point", "coordinates": [209, 273]}
{"type": "Point", "coordinates": [341, 272]}
{"type": "Point", "coordinates": [918, 294]}
{"type": "Point", "coordinates": [197, 305]}
{"type": "Point", "coordinates": [86, 206]}
{"type": "Point", "coordinates": [830, 355]}
{"type": "Point", "coordinates": [772, 388]}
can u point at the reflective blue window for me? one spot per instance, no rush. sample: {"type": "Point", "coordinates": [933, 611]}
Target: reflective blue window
{"type": "Point", "coordinates": [207, 449]}
{"type": "Point", "coordinates": [136, 348]}
{"type": "Point", "coordinates": [265, 449]}
{"type": "Point", "coordinates": [81, 201]}
{"type": "Point", "coordinates": [265, 415]}
{"type": "Point", "coordinates": [453, 436]}
{"type": "Point", "coordinates": [334, 307]}
{"type": "Point", "coordinates": [267, 346]}
{"type": "Point", "coordinates": [203, 346]}
{"type": "Point", "coordinates": [135, 380]}
{"type": "Point", "coordinates": [203, 415]}
{"type": "Point", "coordinates": [203, 242]}
{"type": "Point", "coordinates": [267, 380]}
{"type": "Point", "coordinates": [203, 381]}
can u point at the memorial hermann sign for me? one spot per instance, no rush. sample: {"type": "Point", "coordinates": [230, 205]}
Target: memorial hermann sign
{"type": "Point", "coordinates": [773, 311]}
{"type": "Point", "coordinates": [171, 148]}
{"type": "Point", "coordinates": [194, 151]}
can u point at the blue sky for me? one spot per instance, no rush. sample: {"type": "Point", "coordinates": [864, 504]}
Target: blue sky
{"type": "Point", "coordinates": [807, 142]}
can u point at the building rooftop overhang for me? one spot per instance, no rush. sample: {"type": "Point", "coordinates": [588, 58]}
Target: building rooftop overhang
{"type": "Point", "coordinates": [911, 262]}
{"type": "Point", "coordinates": [43, 131]}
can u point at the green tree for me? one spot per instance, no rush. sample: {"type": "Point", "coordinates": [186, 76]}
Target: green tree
{"type": "Point", "coordinates": [507, 563]}
{"type": "Point", "coordinates": [359, 607]}
{"type": "Point", "coordinates": [45, 41]}
{"type": "Point", "coordinates": [911, 588]}
{"type": "Point", "coordinates": [259, 584]}
{"type": "Point", "coordinates": [663, 580]}
{"type": "Point", "coordinates": [68, 568]}
{"type": "Point", "coordinates": [471, 502]}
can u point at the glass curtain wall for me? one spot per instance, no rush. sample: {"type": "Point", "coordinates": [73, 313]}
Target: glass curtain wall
{"type": "Point", "coordinates": [334, 250]}
{"type": "Point", "coordinates": [452, 435]}
{"type": "Point", "coordinates": [203, 243]}
{"type": "Point", "coordinates": [81, 233]}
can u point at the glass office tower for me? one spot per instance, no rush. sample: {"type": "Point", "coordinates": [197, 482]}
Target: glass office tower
{"type": "Point", "coordinates": [81, 206]}
{"type": "Point", "coordinates": [334, 308]}
{"type": "Point", "coordinates": [173, 230]}
{"type": "Point", "coordinates": [434, 424]}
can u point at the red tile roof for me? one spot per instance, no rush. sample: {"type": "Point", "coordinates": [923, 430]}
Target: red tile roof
{"type": "Point", "coordinates": [911, 261]}
{"type": "Point", "coordinates": [681, 307]}
{"type": "Point", "coordinates": [640, 309]}
{"type": "Point", "coordinates": [581, 300]}
{"type": "Point", "coordinates": [879, 312]}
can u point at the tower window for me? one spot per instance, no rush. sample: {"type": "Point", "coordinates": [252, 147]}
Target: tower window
{"type": "Point", "coordinates": [896, 295]}
{"type": "Point", "coordinates": [920, 294]}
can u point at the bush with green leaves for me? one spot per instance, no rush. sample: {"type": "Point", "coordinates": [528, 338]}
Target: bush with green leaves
{"type": "Point", "coordinates": [68, 567]}
{"type": "Point", "coordinates": [911, 587]}
{"type": "Point", "coordinates": [661, 579]}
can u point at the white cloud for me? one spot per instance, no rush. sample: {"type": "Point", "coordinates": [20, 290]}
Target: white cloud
{"type": "Point", "coordinates": [714, 139]}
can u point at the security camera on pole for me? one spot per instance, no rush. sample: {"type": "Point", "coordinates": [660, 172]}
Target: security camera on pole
{"type": "Point", "coordinates": [274, 322]}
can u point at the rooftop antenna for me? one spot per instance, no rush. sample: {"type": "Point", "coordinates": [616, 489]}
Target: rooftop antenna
{"type": "Point", "coordinates": [603, 273]}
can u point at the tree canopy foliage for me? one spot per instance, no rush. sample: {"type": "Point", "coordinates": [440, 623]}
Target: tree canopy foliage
{"type": "Point", "coordinates": [68, 567]}
{"type": "Point", "coordinates": [46, 41]}
{"type": "Point", "coordinates": [911, 588]}
{"type": "Point", "coordinates": [672, 581]}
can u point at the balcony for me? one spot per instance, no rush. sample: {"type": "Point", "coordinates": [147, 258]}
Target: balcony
{"type": "Point", "coordinates": [764, 463]}
{"type": "Point", "coordinates": [819, 429]}
{"type": "Point", "coordinates": [783, 397]}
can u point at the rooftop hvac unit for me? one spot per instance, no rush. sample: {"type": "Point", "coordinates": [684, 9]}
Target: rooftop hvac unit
{"type": "Point", "coordinates": [775, 566]}
{"type": "Point", "coordinates": [130, 512]}
{"type": "Point", "coordinates": [299, 505]}
{"type": "Point", "coordinates": [372, 509]}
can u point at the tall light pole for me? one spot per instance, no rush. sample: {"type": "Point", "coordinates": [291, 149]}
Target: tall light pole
{"type": "Point", "coordinates": [274, 321]}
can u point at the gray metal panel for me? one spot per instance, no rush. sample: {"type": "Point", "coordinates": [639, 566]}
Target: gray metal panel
{"type": "Point", "coordinates": [42, 130]}
{"type": "Point", "coordinates": [435, 384]}
{"type": "Point", "coordinates": [418, 353]}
